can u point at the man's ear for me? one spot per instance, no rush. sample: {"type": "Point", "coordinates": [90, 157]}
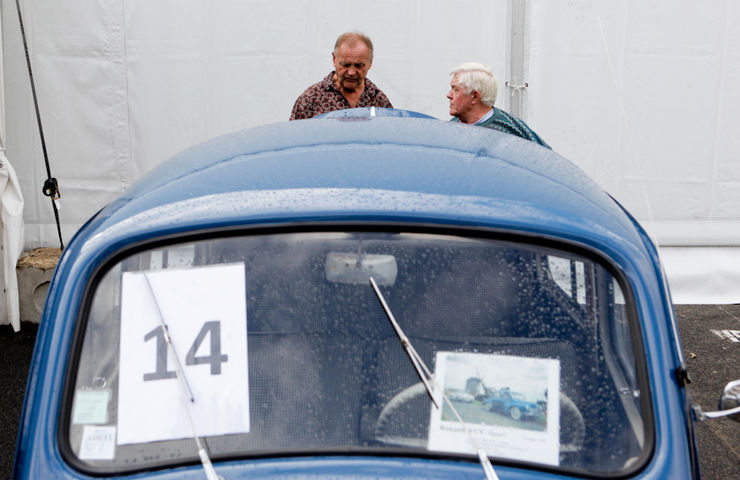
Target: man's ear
{"type": "Point", "coordinates": [475, 96]}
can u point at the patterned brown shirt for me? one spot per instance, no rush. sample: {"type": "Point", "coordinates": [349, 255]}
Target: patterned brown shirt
{"type": "Point", "coordinates": [324, 96]}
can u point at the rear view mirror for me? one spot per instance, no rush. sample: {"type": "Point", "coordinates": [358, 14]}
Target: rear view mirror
{"type": "Point", "coordinates": [358, 268]}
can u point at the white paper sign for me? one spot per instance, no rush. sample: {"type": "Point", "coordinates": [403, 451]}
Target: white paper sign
{"type": "Point", "coordinates": [206, 316]}
{"type": "Point", "coordinates": [98, 443]}
{"type": "Point", "coordinates": [505, 402]}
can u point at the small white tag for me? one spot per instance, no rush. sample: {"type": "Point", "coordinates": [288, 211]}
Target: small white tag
{"type": "Point", "coordinates": [91, 407]}
{"type": "Point", "coordinates": [98, 443]}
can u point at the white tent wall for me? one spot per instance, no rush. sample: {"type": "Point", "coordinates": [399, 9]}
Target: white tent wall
{"type": "Point", "coordinates": [123, 85]}
{"type": "Point", "coordinates": [644, 95]}
{"type": "Point", "coordinates": [196, 69]}
{"type": "Point", "coordinates": [80, 84]}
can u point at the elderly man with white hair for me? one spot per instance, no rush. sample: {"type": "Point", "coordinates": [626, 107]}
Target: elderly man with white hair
{"type": "Point", "coordinates": [472, 94]}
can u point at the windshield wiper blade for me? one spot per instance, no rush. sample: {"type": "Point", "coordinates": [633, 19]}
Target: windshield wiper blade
{"type": "Point", "coordinates": [205, 460]}
{"type": "Point", "coordinates": [428, 380]}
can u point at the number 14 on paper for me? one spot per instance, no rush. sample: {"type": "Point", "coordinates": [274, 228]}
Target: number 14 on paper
{"type": "Point", "coordinates": [204, 310]}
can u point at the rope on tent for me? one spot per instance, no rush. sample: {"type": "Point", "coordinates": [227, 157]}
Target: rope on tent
{"type": "Point", "coordinates": [51, 187]}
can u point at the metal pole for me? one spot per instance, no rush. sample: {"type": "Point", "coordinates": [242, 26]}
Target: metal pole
{"type": "Point", "coordinates": [516, 84]}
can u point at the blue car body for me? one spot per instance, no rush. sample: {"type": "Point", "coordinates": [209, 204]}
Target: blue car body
{"type": "Point", "coordinates": [367, 171]}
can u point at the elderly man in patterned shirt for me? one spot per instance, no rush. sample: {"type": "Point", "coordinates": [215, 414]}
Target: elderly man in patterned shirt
{"type": "Point", "coordinates": [473, 90]}
{"type": "Point", "coordinates": [347, 86]}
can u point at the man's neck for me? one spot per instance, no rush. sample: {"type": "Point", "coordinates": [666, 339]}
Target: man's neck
{"type": "Point", "coordinates": [353, 97]}
{"type": "Point", "coordinates": [476, 114]}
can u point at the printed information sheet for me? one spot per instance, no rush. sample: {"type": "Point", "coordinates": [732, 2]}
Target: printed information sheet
{"type": "Point", "coordinates": [505, 405]}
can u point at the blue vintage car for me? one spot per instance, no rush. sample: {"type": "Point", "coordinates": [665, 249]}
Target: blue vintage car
{"type": "Point", "coordinates": [514, 404]}
{"type": "Point", "coordinates": [293, 300]}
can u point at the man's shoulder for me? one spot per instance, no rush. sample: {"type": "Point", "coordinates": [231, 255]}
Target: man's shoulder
{"type": "Point", "coordinates": [380, 98]}
{"type": "Point", "coordinates": [506, 122]}
{"type": "Point", "coordinates": [319, 87]}
{"type": "Point", "coordinates": [502, 115]}
{"type": "Point", "coordinates": [319, 98]}
{"type": "Point", "coordinates": [372, 89]}
{"type": "Point", "coordinates": [504, 118]}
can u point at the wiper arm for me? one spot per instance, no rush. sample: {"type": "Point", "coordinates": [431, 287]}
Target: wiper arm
{"type": "Point", "coordinates": [421, 369]}
{"type": "Point", "coordinates": [205, 460]}
{"type": "Point", "coordinates": [428, 380]}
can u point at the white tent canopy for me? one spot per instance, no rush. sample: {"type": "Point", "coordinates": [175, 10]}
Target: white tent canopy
{"type": "Point", "coordinates": [645, 105]}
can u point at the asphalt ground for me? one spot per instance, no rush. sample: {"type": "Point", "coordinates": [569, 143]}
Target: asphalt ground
{"type": "Point", "coordinates": [15, 357]}
{"type": "Point", "coordinates": [710, 336]}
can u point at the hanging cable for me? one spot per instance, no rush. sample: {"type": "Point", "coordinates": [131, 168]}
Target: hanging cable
{"type": "Point", "coordinates": [51, 187]}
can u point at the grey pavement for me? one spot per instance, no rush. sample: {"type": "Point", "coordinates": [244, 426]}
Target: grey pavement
{"type": "Point", "coordinates": [711, 342]}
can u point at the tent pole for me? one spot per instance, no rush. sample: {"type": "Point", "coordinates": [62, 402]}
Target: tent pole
{"type": "Point", "coordinates": [516, 84]}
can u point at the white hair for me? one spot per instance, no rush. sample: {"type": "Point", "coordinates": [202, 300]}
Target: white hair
{"type": "Point", "coordinates": [475, 76]}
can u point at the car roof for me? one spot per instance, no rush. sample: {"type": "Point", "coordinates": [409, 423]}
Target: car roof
{"type": "Point", "coordinates": [367, 169]}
